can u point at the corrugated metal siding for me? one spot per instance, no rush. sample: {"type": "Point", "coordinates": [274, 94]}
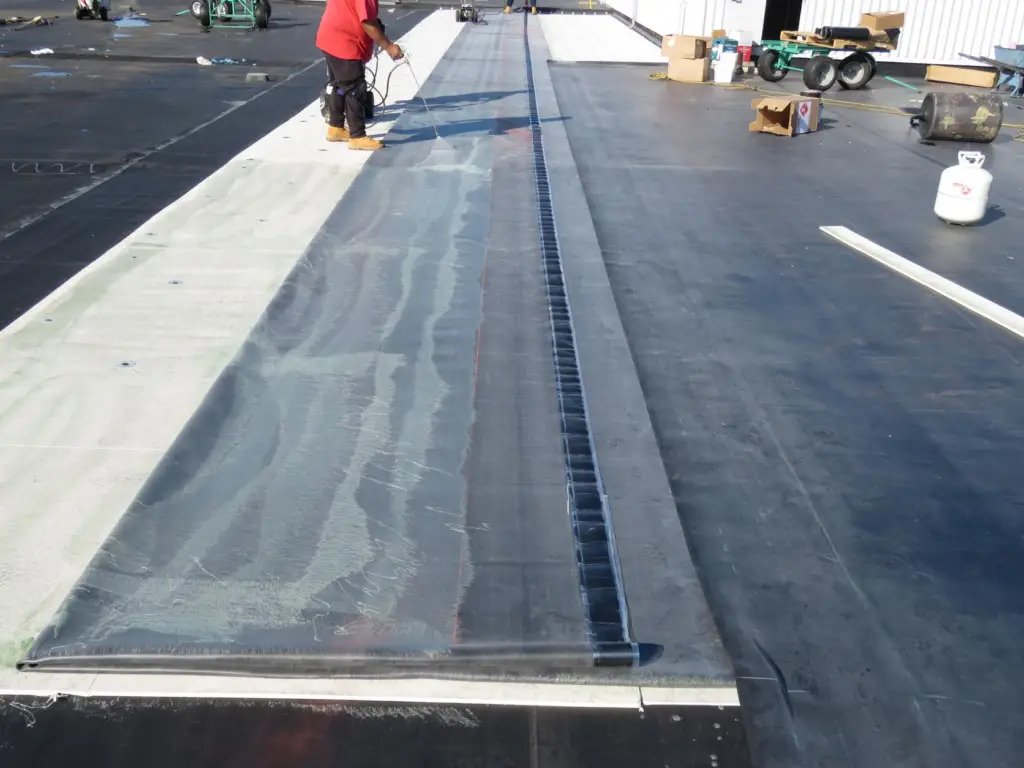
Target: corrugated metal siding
{"type": "Point", "coordinates": [937, 31]}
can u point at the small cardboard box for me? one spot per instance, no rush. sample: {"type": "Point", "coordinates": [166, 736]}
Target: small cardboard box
{"type": "Point", "coordinates": [689, 70]}
{"type": "Point", "coordinates": [881, 21]}
{"type": "Point", "coordinates": [979, 78]}
{"type": "Point", "coordinates": [786, 115]}
{"type": "Point", "coordinates": [683, 47]}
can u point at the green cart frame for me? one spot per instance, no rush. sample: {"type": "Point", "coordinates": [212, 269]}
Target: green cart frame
{"type": "Point", "coordinates": [821, 72]}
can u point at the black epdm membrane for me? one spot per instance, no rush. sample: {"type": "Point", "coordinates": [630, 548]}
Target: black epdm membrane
{"type": "Point", "coordinates": [361, 492]}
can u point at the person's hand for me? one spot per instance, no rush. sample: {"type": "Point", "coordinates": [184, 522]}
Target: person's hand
{"type": "Point", "coordinates": [395, 52]}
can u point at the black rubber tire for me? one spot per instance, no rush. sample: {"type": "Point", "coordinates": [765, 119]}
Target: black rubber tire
{"type": "Point", "coordinates": [80, 13]}
{"type": "Point", "coordinates": [269, 14]}
{"type": "Point", "coordinates": [874, 65]}
{"type": "Point", "coordinates": [262, 16]}
{"type": "Point", "coordinates": [196, 8]}
{"type": "Point", "coordinates": [103, 14]}
{"type": "Point", "coordinates": [204, 13]}
{"type": "Point", "coordinates": [820, 73]}
{"type": "Point", "coordinates": [766, 66]}
{"type": "Point", "coordinates": [224, 9]}
{"type": "Point", "coordinates": [854, 72]}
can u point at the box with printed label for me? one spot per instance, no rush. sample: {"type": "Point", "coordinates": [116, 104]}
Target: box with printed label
{"type": "Point", "coordinates": [785, 115]}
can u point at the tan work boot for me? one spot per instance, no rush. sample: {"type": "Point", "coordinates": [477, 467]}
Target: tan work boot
{"type": "Point", "coordinates": [534, 10]}
{"type": "Point", "coordinates": [366, 144]}
{"type": "Point", "coordinates": [507, 10]}
{"type": "Point", "coordinates": [337, 134]}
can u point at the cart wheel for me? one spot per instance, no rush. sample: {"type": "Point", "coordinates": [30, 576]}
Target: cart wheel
{"type": "Point", "coordinates": [267, 4]}
{"type": "Point", "coordinates": [204, 13]}
{"type": "Point", "coordinates": [103, 14]}
{"type": "Point", "coordinates": [769, 66]}
{"type": "Point", "coordinates": [262, 15]}
{"type": "Point", "coordinates": [223, 10]}
{"type": "Point", "coordinates": [80, 13]}
{"type": "Point", "coordinates": [196, 8]}
{"type": "Point", "coordinates": [873, 63]}
{"type": "Point", "coordinates": [854, 72]}
{"type": "Point", "coordinates": [820, 73]}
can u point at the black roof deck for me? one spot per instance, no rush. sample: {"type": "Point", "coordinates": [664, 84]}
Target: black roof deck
{"type": "Point", "coordinates": [844, 446]}
{"type": "Point", "coordinates": [377, 485]}
{"type": "Point", "coordinates": [841, 445]}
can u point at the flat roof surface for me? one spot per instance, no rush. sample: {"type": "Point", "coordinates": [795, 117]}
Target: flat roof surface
{"type": "Point", "coordinates": [843, 444]}
{"type": "Point", "coordinates": [356, 464]}
{"type": "Point", "coordinates": [809, 458]}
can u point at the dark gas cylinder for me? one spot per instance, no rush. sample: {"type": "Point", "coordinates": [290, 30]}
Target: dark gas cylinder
{"type": "Point", "coordinates": [961, 117]}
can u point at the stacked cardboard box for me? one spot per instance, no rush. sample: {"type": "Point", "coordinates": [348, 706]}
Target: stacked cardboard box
{"type": "Point", "coordinates": [689, 57]}
{"type": "Point", "coordinates": [883, 21]}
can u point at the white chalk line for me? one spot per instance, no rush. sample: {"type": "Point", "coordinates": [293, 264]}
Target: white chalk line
{"type": "Point", "coordinates": [369, 690]}
{"type": "Point", "coordinates": [955, 292]}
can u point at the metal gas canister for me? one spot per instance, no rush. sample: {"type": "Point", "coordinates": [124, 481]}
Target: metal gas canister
{"type": "Point", "coordinates": [963, 190]}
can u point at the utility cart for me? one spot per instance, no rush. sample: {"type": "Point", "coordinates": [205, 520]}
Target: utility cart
{"type": "Point", "coordinates": [821, 71]}
{"type": "Point", "coordinates": [91, 9]}
{"type": "Point", "coordinates": [233, 14]}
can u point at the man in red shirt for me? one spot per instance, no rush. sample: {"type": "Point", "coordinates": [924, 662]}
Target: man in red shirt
{"type": "Point", "coordinates": [348, 30]}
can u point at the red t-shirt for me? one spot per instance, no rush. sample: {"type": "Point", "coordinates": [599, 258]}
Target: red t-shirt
{"type": "Point", "coordinates": [341, 32]}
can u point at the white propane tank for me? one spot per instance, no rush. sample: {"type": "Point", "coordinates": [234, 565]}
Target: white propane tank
{"type": "Point", "coordinates": [963, 190]}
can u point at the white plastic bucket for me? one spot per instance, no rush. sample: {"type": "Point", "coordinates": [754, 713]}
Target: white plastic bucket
{"type": "Point", "coordinates": [725, 67]}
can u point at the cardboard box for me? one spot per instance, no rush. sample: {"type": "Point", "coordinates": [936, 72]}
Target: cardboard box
{"type": "Point", "coordinates": [979, 78]}
{"type": "Point", "coordinates": [880, 21]}
{"type": "Point", "coordinates": [786, 115]}
{"type": "Point", "coordinates": [683, 47]}
{"type": "Point", "coordinates": [689, 70]}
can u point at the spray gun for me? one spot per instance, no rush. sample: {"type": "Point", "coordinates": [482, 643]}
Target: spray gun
{"type": "Point", "coordinates": [419, 92]}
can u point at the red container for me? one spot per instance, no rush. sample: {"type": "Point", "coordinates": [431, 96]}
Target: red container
{"type": "Point", "coordinates": [745, 52]}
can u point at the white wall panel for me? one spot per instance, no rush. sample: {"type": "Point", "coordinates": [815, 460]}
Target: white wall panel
{"type": "Point", "coordinates": [690, 17]}
{"type": "Point", "coordinates": [937, 31]}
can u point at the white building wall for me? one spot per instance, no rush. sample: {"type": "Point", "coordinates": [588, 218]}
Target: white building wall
{"type": "Point", "coordinates": [696, 17]}
{"type": "Point", "coordinates": [936, 31]}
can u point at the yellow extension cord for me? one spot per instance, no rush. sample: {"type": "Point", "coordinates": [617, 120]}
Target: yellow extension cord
{"type": "Point", "coordinates": [831, 102]}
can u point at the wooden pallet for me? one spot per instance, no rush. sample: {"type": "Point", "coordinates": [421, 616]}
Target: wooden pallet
{"type": "Point", "coordinates": [880, 42]}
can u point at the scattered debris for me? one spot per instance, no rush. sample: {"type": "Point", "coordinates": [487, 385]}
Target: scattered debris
{"type": "Point", "coordinates": [131, 19]}
{"type": "Point", "coordinates": [24, 22]}
{"type": "Point", "coordinates": [42, 52]}
{"type": "Point", "coordinates": [203, 61]}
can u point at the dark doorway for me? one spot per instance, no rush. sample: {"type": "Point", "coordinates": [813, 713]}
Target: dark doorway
{"type": "Point", "coordinates": [780, 15]}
